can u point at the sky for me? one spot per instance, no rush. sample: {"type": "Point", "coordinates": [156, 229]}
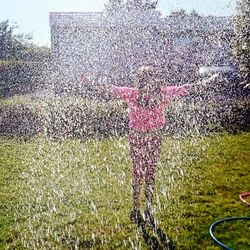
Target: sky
{"type": "Point", "coordinates": [32, 16]}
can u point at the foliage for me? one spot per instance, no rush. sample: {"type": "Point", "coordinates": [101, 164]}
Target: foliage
{"type": "Point", "coordinates": [241, 42]}
{"type": "Point", "coordinates": [141, 5]}
{"type": "Point", "coordinates": [11, 45]}
{"type": "Point", "coordinates": [19, 46]}
{"type": "Point", "coordinates": [22, 63]}
{"type": "Point", "coordinates": [20, 120]}
{"type": "Point", "coordinates": [62, 118]}
{"type": "Point", "coordinates": [115, 5]}
{"type": "Point", "coordinates": [18, 77]}
{"type": "Point", "coordinates": [71, 117]}
{"type": "Point", "coordinates": [194, 13]}
{"type": "Point", "coordinates": [183, 13]}
{"type": "Point", "coordinates": [179, 13]}
{"type": "Point", "coordinates": [77, 194]}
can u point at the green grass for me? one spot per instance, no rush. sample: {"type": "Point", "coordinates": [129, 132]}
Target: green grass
{"type": "Point", "coordinates": [59, 195]}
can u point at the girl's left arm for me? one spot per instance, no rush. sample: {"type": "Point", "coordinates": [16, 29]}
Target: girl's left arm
{"type": "Point", "coordinates": [183, 90]}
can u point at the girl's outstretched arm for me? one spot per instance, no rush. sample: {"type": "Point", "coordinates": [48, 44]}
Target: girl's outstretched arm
{"type": "Point", "coordinates": [125, 93]}
{"type": "Point", "coordinates": [183, 90]}
{"type": "Point", "coordinates": [101, 88]}
{"type": "Point", "coordinates": [114, 91]}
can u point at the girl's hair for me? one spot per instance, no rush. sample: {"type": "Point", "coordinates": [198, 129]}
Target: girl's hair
{"type": "Point", "coordinates": [142, 80]}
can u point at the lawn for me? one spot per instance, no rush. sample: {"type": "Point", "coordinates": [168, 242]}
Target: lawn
{"type": "Point", "coordinates": [76, 194]}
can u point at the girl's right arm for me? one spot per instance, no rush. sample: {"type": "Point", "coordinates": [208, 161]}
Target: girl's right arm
{"type": "Point", "coordinates": [115, 91]}
{"type": "Point", "coordinates": [101, 88]}
{"type": "Point", "coordinates": [125, 93]}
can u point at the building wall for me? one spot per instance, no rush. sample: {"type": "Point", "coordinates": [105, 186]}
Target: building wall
{"type": "Point", "coordinates": [114, 46]}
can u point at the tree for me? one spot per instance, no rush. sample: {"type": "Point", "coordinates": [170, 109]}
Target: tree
{"type": "Point", "coordinates": [12, 45]}
{"type": "Point", "coordinates": [194, 13]}
{"type": "Point", "coordinates": [114, 5]}
{"type": "Point", "coordinates": [19, 46]}
{"type": "Point", "coordinates": [179, 13]}
{"type": "Point", "coordinates": [241, 42]}
{"type": "Point", "coordinates": [141, 4]}
{"type": "Point", "coordinates": [22, 63]}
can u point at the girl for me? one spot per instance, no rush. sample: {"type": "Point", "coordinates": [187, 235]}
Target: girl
{"type": "Point", "coordinates": [147, 103]}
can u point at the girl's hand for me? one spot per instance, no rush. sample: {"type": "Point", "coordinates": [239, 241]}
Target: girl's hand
{"type": "Point", "coordinates": [183, 90]}
{"type": "Point", "coordinates": [213, 78]}
{"type": "Point", "coordinates": [85, 80]}
{"type": "Point", "coordinates": [187, 86]}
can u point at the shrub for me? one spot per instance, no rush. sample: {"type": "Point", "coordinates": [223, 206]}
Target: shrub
{"type": "Point", "coordinates": [21, 77]}
{"type": "Point", "coordinates": [216, 114]}
{"type": "Point", "coordinates": [19, 120]}
{"type": "Point", "coordinates": [60, 118]}
{"type": "Point", "coordinates": [239, 116]}
{"type": "Point", "coordinates": [76, 119]}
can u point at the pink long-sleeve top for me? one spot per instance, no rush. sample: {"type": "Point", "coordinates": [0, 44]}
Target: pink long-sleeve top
{"type": "Point", "coordinates": [148, 119]}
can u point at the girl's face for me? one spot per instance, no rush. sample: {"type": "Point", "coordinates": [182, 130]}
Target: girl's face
{"type": "Point", "coordinates": [149, 84]}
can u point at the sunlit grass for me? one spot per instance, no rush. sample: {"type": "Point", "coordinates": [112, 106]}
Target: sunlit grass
{"type": "Point", "coordinates": [78, 193]}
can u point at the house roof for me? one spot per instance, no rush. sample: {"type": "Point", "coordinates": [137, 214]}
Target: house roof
{"type": "Point", "coordinates": [76, 19]}
{"type": "Point", "coordinates": [198, 23]}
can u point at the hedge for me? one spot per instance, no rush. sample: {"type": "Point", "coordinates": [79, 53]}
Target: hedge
{"type": "Point", "coordinates": [60, 118]}
{"type": "Point", "coordinates": [71, 117]}
{"type": "Point", "coordinates": [21, 77]}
